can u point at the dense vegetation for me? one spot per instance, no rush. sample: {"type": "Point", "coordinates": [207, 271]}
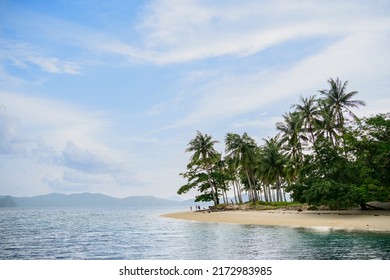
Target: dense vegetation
{"type": "Point", "coordinates": [322, 155]}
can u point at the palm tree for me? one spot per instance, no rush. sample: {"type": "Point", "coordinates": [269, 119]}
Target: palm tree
{"type": "Point", "coordinates": [339, 100]}
{"type": "Point", "coordinates": [291, 134]}
{"type": "Point", "coordinates": [233, 173]}
{"type": "Point", "coordinates": [221, 175]}
{"type": "Point", "coordinates": [242, 150]}
{"type": "Point", "coordinates": [272, 163]}
{"type": "Point", "coordinates": [204, 155]}
{"type": "Point", "coordinates": [326, 127]}
{"type": "Point", "coordinates": [309, 111]}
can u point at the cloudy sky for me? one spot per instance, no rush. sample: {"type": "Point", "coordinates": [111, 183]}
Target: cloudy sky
{"type": "Point", "coordinates": [103, 96]}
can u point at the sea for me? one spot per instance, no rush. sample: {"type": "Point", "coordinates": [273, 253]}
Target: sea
{"type": "Point", "coordinates": [142, 234]}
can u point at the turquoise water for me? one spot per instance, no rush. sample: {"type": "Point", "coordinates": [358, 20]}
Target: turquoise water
{"type": "Point", "coordinates": [124, 233]}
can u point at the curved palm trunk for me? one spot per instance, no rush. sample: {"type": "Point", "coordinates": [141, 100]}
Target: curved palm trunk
{"type": "Point", "coordinates": [251, 187]}
{"type": "Point", "coordinates": [239, 195]}
{"type": "Point", "coordinates": [284, 194]}
{"type": "Point", "coordinates": [266, 198]}
{"type": "Point", "coordinates": [213, 189]}
{"type": "Point", "coordinates": [235, 193]}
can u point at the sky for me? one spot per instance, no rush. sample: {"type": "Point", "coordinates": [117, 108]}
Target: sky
{"type": "Point", "coordinates": [104, 96]}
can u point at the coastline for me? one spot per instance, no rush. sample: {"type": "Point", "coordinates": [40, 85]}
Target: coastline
{"type": "Point", "coordinates": [354, 220]}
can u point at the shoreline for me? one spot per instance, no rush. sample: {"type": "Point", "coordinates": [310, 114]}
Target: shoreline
{"type": "Point", "coordinates": [354, 220]}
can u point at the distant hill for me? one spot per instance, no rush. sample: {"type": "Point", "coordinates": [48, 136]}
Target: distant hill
{"type": "Point", "coordinates": [7, 201]}
{"type": "Point", "coordinates": [176, 198]}
{"type": "Point", "coordinates": [92, 200]}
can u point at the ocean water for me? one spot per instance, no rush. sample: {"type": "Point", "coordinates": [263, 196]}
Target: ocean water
{"type": "Point", "coordinates": [124, 233]}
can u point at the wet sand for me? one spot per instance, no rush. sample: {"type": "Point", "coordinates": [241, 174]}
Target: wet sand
{"type": "Point", "coordinates": [356, 220]}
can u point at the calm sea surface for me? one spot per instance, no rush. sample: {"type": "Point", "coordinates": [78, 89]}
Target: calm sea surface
{"type": "Point", "coordinates": [124, 233]}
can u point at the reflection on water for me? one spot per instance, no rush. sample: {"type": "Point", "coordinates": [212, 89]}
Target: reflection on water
{"type": "Point", "coordinates": [143, 234]}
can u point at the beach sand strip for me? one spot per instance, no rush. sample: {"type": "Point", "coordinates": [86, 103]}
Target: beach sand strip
{"type": "Point", "coordinates": [356, 220]}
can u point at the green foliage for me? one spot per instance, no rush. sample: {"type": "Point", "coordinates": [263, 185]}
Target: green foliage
{"type": "Point", "coordinates": [350, 174]}
{"type": "Point", "coordinates": [331, 193]}
{"type": "Point", "coordinates": [204, 197]}
{"type": "Point", "coordinates": [372, 192]}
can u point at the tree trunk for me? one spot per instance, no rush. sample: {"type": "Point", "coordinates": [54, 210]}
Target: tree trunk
{"type": "Point", "coordinates": [270, 194]}
{"type": "Point", "coordinates": [213, 192]}
{"type": "Point", "coordinates": [251, 187]}
{"type": "Point", "coordinates": [235, 193]}
{"type": "Point", "coordinates": [265, 193]}
{"type": "Point", "coordinates": [239, 194]}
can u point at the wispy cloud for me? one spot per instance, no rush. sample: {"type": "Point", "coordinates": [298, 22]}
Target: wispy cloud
{"type": "Point", "coordinates": [239, 93]}
{"type": "Point", "coordinates": [57, 122]}
{"type": "Point", "coordinates": [184, 31]}
{"type": "Point", "coordinates": [43, 133]}
{"type": "Point", "coordinates": [88, 161]}
{"type": "Point", "coordinates": [8, 136]}
{"type": "Point", "coordinates": [25, 56]}
{"type": "Point", "coordinates": [179, 31]}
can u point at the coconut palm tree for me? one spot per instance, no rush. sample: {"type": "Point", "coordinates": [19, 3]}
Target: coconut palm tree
{"type": "Point", "coordinates": [242, 150]}
{"type": "Point", "coordinates": [309, 111]}
{"type": "Point", "coordinates": [291, 134]}
{"type": "Point", "coordinates": [326, 127]}
{"type": "Point", "coordinates": [272, 163]}
{"type": "Point", "coordinates": [339, 100]}
{"type": "Point", "coordinates": [204, 155]}
{"type": "Point", "coordinates": [233, 173]}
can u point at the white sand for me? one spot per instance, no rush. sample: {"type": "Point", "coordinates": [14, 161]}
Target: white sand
{"type": "Point", "coordinates": [348, 220]}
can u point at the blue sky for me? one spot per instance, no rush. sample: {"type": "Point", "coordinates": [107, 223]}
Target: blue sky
{"type": "Point", "coordinates": [103, 96]}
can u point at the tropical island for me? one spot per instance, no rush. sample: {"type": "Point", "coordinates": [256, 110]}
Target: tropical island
{"type": "Point", "coordinates": [323, 158]}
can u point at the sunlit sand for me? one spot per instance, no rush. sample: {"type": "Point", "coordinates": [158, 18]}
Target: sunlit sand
{"type": "Point", "coordinates": [346, 220]}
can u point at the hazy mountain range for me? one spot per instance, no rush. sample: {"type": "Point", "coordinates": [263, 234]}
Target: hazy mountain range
{"type": "Point", "coordinates": [93, 200]}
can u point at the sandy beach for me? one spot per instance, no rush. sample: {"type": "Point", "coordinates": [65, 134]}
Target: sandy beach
{"type": "Point", "coordinates": [355, 220]}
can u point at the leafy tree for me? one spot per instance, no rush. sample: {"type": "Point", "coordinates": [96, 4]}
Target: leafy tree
{"type": "Point", "coordinates": [198, 180]}
{"type": "Point", "coordinates": [353, 174]}
{"type": "Point", "coordinates": [325, 178]}
{"type": "Point", "coordinates": [368, 143]}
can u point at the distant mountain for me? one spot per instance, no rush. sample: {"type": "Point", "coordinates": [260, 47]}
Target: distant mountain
{"type": "Point", "coordinates": [62, 200]}
{"type": "Point", "coordinates": [176, 198]}
{"type": "Point", "coordinates": [7, 201]}
{"type": "Point", "coordinates": [92, 200]}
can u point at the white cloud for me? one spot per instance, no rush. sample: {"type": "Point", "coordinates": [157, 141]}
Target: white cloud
{"type": "Point", "coordinates": [56, 122]}
{"type": "Point", "coordinates": [13, 142]}
{"type": "Point", "coordinates": [59, 185]}
{"type": "Point", "coordinates": [8, 127]}
{"type": "Point", "coordinates": [24, 56]}
{"type": "Point", "coordinates": [360, 58]}
{"type": "Point", "coordinates": [43, 137]}
{"type": "Point", "coordinates": [179, 31]}
{"type": "Point", "coordinates": [88, 161]}
{"type": "Point", "coordinates": [184, 31]}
